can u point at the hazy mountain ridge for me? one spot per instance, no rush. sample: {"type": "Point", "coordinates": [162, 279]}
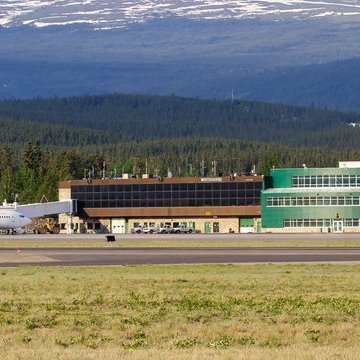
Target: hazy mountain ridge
{"type": "Point", "coordinates": [109, 14]}
{"type": "Point", "coordinates": [334, 85]}
{"type": "Point", "coordinates": [171, 47]}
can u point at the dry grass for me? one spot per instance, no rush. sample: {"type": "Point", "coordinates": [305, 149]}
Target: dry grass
{"type": "Point", "coordinates": [180, 312]}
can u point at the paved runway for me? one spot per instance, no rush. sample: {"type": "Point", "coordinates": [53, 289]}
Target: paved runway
{"type": "Point", "coordinates": [135, 237]}
{"type": "Point", "coordinates": [173, 255]}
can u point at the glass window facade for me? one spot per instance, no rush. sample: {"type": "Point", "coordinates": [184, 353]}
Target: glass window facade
{"type": "Point", "coordinates": [294, 201]}
{"type": "Point", "coordinates": [292, 223]}
{"type": "Point", "coordinates": [316, 181]}
{"type": "Point", "coordinates": [167, 195]}
{"type": "Point", "coordinates": [310, 197]}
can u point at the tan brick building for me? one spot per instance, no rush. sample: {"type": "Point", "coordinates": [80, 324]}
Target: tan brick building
{"type": "Point", "coordinates": [207, 205]}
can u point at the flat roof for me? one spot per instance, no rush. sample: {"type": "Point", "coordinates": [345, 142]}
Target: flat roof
{"type": "Point", "coordinates": [311, 190]}
{"type": "Point", "coordinates": [317, 169]}
{"type": "Point", "coordinates": [173, 180]}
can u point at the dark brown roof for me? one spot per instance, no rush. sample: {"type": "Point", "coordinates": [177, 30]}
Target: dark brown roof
{"type": "Point", "coordinates": [173, 180]}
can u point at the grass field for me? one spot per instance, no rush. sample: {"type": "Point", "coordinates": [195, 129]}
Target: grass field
{"type": "Point", "coordinates": [180, 312]}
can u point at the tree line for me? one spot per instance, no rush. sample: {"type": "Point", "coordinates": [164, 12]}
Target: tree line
{"type": "Point", "coordinates": [94, 119]}
{"type": "Point", "coordinates": [37, 169]}
{"type": "Point", "coordinates": [160, 135]}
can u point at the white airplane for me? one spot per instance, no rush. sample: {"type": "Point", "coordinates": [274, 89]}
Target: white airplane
{"type": "Point", "coordinates": [12, 220]}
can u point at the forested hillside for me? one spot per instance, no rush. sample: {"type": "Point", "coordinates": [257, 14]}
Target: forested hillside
{"type": "Point", "coordinates": [22, 131]}
{"type": "Point", "coordinates": [37, 169]}
{"type": "Point", "coordinates": [44, 141]}
{"type": "Point", "coordinates": [148, 117]}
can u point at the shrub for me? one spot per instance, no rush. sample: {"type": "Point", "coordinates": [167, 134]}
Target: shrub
{"type": "Point", "coordinates": [313, 335]}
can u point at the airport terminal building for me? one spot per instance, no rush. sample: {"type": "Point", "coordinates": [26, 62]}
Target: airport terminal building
{"type": "Point", "coordinates": [207, 205]}
{"type": "Point", "coordinates": [312, 199]}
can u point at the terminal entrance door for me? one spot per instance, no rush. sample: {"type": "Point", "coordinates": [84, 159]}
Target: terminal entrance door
{"type": "Point", "coordinates": [337, 226]}
{"type": "Point", "coordinates": [207, 228]}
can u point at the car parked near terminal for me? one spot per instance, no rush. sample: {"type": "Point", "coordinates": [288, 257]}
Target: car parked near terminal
{"type": "Point", "coordinates": [165, 229]}
{"type": "Point", "coordinates": [182, 229]}
{"type": "Point", "coordinates": [151, 229]}
{"type": "Point", "coordinates": [138, 229]}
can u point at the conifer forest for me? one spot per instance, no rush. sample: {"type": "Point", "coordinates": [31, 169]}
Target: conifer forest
{"type": "Point", "coordinates": [44, 141]}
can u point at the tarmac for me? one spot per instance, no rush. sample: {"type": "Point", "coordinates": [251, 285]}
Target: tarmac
{"type": "Point", "coordinates": [108, 255]}
{"type": "Point", "coordinates": [221, 236]}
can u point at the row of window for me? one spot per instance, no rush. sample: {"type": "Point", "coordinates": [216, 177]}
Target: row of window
{"type": "Point", "coordinates": [301, 181]}
{"type": "Point", "coordinates": [168, 203]}
{"type": "Point", "coordinates": [313, 201]}
{"type": "Point", "coordinates": [318, 222]}
{"type": "Point", "coordinates": [166, 187]}
{"type": "Point", "coordinates": [166, 195]}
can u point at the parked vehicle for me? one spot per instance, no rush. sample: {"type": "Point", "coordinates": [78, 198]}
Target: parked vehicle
{"type": "Point", "coordinates": [165, 229]}
{"type": "Point", "coordinates": [138, 229]}
{"type": "Point", "coordinates": [150, 229]}
{"type": "Point", "coordinates": [182, 229]}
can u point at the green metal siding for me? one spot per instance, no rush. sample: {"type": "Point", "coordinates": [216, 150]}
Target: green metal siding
{"type": "Point", "coordinates": [282, 178]}
{"type": "Point", "coordinates": [273, 217]}
{"type": "Point", "coordinates": [246, 222]}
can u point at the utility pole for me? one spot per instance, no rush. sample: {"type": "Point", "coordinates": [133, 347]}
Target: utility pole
{"type": "Point", "coordinates": [214, 167]}
{"type": "Point", "coordinates": [202, 168]}
{"type": "Point", "coordinates": [190, 169]}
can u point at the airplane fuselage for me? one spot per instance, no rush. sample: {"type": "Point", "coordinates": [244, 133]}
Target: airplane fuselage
{"type": "Point", "coordinates": [12, 219]}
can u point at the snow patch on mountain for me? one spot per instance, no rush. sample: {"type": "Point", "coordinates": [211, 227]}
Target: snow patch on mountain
{"type": "Point", "coordinates": [105, 14]}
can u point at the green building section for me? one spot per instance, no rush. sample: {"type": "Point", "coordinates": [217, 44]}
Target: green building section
{"type": "Point", "coordinates": [282, 178]}
{"type": "Point", "coordinates": [246, 222]}
{"type": "Point", "coordinates": [323, 199]}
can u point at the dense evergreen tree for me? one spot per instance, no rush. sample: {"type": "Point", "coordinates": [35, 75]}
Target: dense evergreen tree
{"type": "Point", "coordinates": [140, 134]}
{"type": "Point", "coordinates": [103, 119]}
{"type": "Point", "coordinates": [37, 170]}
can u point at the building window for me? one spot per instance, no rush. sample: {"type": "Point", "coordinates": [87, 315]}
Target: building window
{"type": "Point", "coordinates": [294, 201]}
{"type": "Point", "coordinates": [316, 181]}
{"type": "Point", "coordinates": [164, 195]}
{"type": "Point", "coordinates": [298, 223]}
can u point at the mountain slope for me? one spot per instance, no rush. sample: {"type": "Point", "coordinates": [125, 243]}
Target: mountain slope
{"type": "Point", "coordinates": [148, 117]}
{"type": "Point", "coordinates": [190, 48]}
{"type": "Point", "coordinates": [333, 85]}
{"type": "Point", "coordinates": [105, 14]}
{"type": "Point", "coordinates": [20, 132]}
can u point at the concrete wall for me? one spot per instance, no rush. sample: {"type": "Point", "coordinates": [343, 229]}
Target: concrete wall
{"type": "Point", "coordinates": [81, 225]}
{"type": "Point", "coordinates": [64, 194]}
{"type": "Point", "coordinates": [224, 223]}
{"type": "Point", "coordinates": [65, 222]}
